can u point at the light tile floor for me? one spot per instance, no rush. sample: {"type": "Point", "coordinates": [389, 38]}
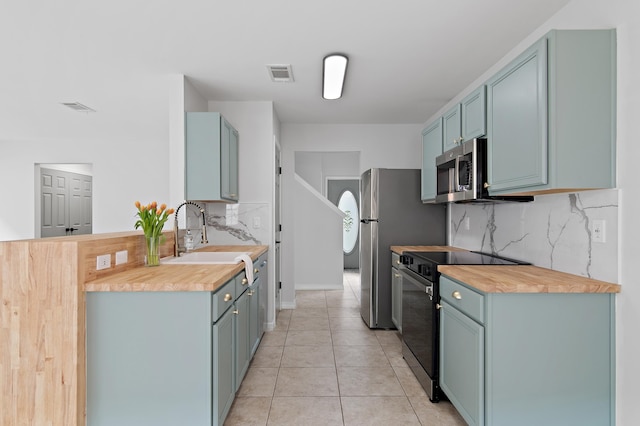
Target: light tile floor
{"type": "Point", "coordinates": [323, 366]}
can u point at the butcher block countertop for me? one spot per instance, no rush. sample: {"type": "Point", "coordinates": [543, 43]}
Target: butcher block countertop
{"type": "Point", "coordinates": [515, 279]}
{"type": "Point", "coordinates": [524, 279]}
{"type": "Point", "coordinates": [173, 277]}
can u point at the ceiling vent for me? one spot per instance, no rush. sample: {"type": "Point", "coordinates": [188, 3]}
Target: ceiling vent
{"type": "Point", "coordinates": [280, 73]}
{"type": "Point", "coordinates": [77, 106]}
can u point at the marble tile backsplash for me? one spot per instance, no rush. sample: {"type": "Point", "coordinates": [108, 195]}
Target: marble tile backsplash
{"type": "Point", "coordinates": [555, 231]}
{"type": "Point", "coordinates": [237, 224]}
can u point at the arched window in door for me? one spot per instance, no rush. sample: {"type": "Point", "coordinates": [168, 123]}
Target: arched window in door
{"type": "Point", "coordinates": [347, 204]}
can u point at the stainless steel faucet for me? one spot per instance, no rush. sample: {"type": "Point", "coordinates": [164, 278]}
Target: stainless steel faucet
{"type": "Point", "coordinates": [176, 247]}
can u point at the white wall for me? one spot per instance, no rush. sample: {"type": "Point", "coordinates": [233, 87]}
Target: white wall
{"type": "Point", "coordinates": [624, 15]}
{"type": "Point", "coordinates": [318, 262]}
{"type": "Point", "coordinates": [379, 145]}
{"type": "Point", "coordinates": [124, 170]}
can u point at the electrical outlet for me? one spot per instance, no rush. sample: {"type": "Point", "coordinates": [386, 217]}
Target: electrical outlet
{"type": "Point", "coordinates": [103, 262]}
{"type": "Point", "coordinates": [598, 231]}
{"type": "Point", "coordinates": [121, 257]}
{"type": "Point", "coordinates": [256, 222]}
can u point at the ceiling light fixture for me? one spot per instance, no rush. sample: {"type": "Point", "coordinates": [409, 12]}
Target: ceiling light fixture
{"type": "Point", "coordinates": [333, 74]}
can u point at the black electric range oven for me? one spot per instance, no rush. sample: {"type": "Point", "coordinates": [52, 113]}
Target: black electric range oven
{"type": "Point", "coordinates": [420, 309]}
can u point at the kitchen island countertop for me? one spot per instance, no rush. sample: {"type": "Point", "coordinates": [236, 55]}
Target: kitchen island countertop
{"type": "Point", "coordinates": [172, 277]}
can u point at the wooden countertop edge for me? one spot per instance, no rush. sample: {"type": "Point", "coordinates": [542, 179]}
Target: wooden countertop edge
{"type": "Point", "coordinates": [168, 277]}
{"type": "Point", "coordinates": [525, 279]}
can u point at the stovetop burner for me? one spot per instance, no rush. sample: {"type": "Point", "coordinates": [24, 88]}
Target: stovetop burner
{"type": "Point", "coordinates": [425, 262]}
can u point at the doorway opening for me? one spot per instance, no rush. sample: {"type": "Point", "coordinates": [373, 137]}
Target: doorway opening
{"type": "Point", "coordinates": [345, 194]}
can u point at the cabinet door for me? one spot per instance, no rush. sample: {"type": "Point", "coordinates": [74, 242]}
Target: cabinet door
{"type": "Point", "coordinates": [229, 162]}
{"type": "Point", "coordinates": [462, 363]}
{"type": "Point", "coordinates": [452, 133]}
{"type": "Point", "coordinates": [202, 156]}
{"type": "Point", "coordinates": [241, 321]}
{"type": "Point", "coordinates": [396, 298]}
{"type": "Point", "coordinates": [254, 315]}
{"type": "Point", "coordinates": [263, 293]}
{"type": "Point", "coordinates": [224, 388]}
{"type": "Point", "coordinates": [431, 148]}
{"type": "Point", "coordinates": [517, 122]}
{"type": "Point", "coordinates": [474, 114]}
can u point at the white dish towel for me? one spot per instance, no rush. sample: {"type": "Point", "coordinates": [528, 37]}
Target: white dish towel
{"type": "Point", "coordinates": [248, 266]}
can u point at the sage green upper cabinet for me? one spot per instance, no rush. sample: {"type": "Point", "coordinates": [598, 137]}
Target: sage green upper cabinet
{"type": "Point", "coordinates": [551, 116]}
{"type": "Point", "coordinates": [431, 148]}
{"type": "Point", "coordinates": [466, 120]}
{"type": "Point", "coordinates": [474, 114]}
{"type": "Point", "coordinates": [452, 128]}
{"type": "Point", "coordinates": [211, 154]}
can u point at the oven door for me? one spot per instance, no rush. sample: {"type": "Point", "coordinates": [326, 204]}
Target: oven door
{"type": "Point", "coordinates": [420, 330]}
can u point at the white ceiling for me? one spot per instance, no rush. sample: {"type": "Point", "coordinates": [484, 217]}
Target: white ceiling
{"type": "Point", "coordinates": [407, 57]}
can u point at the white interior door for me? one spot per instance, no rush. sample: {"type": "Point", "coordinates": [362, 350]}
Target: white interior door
{"type": "Point", "coordinates": [65, 203]}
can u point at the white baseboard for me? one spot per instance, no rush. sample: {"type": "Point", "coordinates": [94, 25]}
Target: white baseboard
{"type": "Point", "coordinates": [319, 287]}
{"type": "Point", "coordinates": [288, 305]}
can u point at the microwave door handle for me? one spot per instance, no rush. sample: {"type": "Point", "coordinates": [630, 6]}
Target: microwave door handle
{"type": "Point", "coordinates": [457, 173]}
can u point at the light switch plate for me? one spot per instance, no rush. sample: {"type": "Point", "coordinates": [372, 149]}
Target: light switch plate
{"type": "Point", "coordinates": [122, 257]}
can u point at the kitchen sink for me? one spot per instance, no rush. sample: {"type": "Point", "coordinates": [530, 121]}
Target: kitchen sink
{"type": "Point", "coordinates": [206, 257]}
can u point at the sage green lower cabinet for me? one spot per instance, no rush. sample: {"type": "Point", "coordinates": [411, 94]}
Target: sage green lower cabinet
{"type": "Point", "coordinates": [258, 303]}
{"type": "Point", "coordinates": [166, 358]}
{"type": "Point", "coordinates": [224, 385]}
{"type": "Point", "coordinates": [243, 352]}
{"type": "Point", "coordinates": [396, 292]}
{"type": "Point", "coordinates": [528, 359]}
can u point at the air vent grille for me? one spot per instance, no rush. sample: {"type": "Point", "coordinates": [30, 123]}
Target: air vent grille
{"type": "Point", "coordinates": [77, 106]}
{"type": "Point", "coordinates": [280, 73]}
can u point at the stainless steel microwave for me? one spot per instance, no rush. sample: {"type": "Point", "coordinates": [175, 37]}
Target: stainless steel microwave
{"type": "Point", "coordinates": [462, 175]}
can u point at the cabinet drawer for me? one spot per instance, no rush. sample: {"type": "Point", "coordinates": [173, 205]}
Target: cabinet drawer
{"type": "Point", "coordinates": [466, 300]}
{"type": "Point", "coordinates": [241, 282]}
{"type": "Point", "coordinates": [223, 299]}
{"type": "Point", "coordinates": [395, 260]}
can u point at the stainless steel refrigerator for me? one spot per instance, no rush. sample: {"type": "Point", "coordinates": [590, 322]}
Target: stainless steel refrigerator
{"type": "Point", "coordinates": [391, 213]}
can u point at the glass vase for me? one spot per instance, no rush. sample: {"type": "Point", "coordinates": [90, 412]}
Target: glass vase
{"type": "Point", "coordinates": [153, 251]}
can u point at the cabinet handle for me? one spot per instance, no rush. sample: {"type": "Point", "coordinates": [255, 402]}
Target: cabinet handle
{"type": "Point", "coordinates": [438, 306]}
{"type": "Point", "coordinates": [398, 262]}
{"type": "Point", "coordinates": [227, 297]}
{"type": "Point", "coordinates": [245, 281]}
{"type": "Point", "coordinates": [460, 139]}
{"type": "Point", "coordinates": [236, 312]}
{"type": "Point", "coordinates": [256, 270]}
{"type": "Point", "coordinates": [250, 293]}
{"type": "Point", "coordinates": [486, 185]}
{"type": "Point", "coordinates": [456, 295]}
{"type": "Point", "coordinates": [396, 275]}
{"type": "Point", "coordinates": [455, 141]}
{"type": "Point", "coordinates": [264, 263]}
